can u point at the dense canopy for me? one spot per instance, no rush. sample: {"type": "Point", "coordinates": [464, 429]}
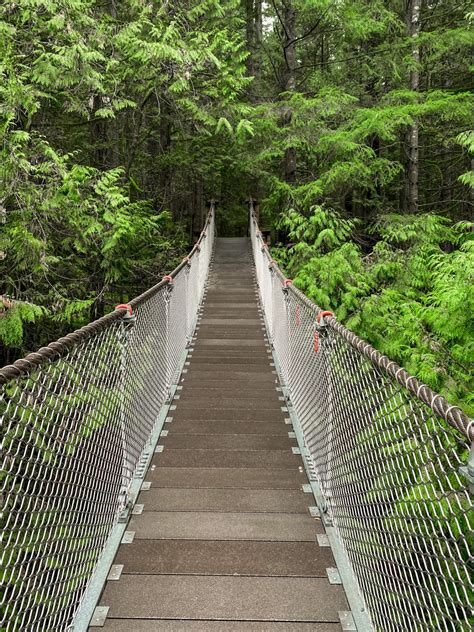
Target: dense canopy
{"type": "Point", "coordinates": [349, 120]}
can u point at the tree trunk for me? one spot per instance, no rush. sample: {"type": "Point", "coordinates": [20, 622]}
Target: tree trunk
{"type": "Point", "coordinates": [165, 148]}
{"type": "Point", "coordinates": [100, 160]}
{"type": "Point", "coordinates": [250, 35]}
{"type": "Point", "coordinates": [98, 136]}
{"type": "Point", "coordinates": [289, 83]}
{"type": "Point", "coordinates": [258, 40]}
{"type": "Point", "coordinates": [254, 38]}
{"type": "Point", "coordinates": [413, 23]}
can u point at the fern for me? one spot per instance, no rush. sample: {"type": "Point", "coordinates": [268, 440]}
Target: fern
{"type": "Point", "coordinates": [14, 319]}
{"type": "Point", "coordinates": [410, 298]}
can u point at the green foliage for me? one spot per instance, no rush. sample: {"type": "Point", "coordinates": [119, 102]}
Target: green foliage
{"type": "Point", "coordinates": [411, 297]}
{"type": "Point", "coordinates": [14, 319]}
{"type": "Point", "coordinates": [466, 139]}
{"type": "Point", "coordinates": [76, 235]}
{"type": "Point", "coordinates": [118, 120]}
{"type": "Point", "coordinates": [114, 118]}
{"type": "Point", "coordinates": [110, 118]}
{"type": "Point", "coordinates": [400, 279]}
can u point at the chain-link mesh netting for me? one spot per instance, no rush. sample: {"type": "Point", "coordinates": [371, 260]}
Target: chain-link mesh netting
{"type": "Point", "coordinates": [389, 457]}
{"type": "Point", "coordinates": [76, 418]}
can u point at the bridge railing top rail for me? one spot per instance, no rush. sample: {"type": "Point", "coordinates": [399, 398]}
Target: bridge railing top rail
{"type": "Point", "coordinates": [58, 348]}
{"type": "Point", "coordinates": [390, 461]}
{"type": "Point", "coordinates": [454, 415]}
{"type": "Point", "coordinates": [79, 420]}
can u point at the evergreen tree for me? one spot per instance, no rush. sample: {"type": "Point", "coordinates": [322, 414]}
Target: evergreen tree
{"type": "Point", "coordinates": [110, 117]}
{"type": "Point", "coordinates": [351, 121]}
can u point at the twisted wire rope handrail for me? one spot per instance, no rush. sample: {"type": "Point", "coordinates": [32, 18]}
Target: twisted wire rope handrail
{"type": "Point", "coordinates": [77, 418]}
{"type": "Point", "coordinates": [389, 456]}
{"type": "Point", "coordinates": [57, 348]}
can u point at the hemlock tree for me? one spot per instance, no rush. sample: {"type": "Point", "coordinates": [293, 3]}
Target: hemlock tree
{"type": "Point", "coordinates": [109, 119]}
{"type": "Point", "coordinates": [380, 194]}
{"type": "Point", "coordinates": [350, 119]}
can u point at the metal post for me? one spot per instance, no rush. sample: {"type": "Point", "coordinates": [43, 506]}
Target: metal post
{"type": "Point", "coordinates": [167, 298]}
{"type": "Point", "coordinates": [326, 351]}
{"type": "Point", "coordinates": [287, 384]}
{"type": "Point", "coordinates": [123, 334]}
{"type": "Point", "coordinates": [269, 305]}
{"type": "Point", "coordinates": [330, 421]}
{"type": "Point", "coordinates": [188, 305]}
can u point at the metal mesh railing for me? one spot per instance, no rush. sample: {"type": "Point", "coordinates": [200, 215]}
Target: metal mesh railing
{"type": "Point", "coordinates": [390, 459]}
{"type": "Point", "coordinates": [76, 418]}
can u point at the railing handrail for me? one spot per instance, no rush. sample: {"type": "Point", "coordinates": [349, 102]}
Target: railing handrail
{"type": "Point", "coordinates": [386, 457]}
{"type": "Point", "coordinates": [80, 420]}
{"type": "Point", "coordinates": [454, 415]}
{"type": "Point", "coordinates": [58, 348]}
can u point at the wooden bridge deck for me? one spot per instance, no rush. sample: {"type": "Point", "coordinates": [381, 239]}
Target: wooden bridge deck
{"type": "Point", "coordinates": [225, 541]}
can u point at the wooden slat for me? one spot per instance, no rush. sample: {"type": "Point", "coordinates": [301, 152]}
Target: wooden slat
{"type": "Point", "coordinates": [225, 542]}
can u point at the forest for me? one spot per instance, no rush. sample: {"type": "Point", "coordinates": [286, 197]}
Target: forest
{"type": "Point", "coordinates": [349, 121]}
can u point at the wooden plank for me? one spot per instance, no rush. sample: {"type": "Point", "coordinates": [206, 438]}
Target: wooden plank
{"type": "Point", "coordinates": [225, 542]}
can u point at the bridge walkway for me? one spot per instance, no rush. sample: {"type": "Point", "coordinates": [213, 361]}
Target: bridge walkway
{"type": "Point", "coordinates": [225, 541]}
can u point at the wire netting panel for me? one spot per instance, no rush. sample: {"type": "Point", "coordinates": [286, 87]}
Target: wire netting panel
{"type": "Point", "coordinates": [61, 480]}
{"type": "Point", "coordinates": [177, 331]}
{"type": "Point", "coordinates": [145, 378]}
{"type": "Point", "coordinates": [76, 421]}
{"type": "Point", "coordinates": [397, 496]}
{"type": "Point", "coordinates": [389, 467]}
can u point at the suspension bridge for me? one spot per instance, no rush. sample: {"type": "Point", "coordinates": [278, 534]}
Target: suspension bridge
{"type": "Point", "coordinates": [221, 454]}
